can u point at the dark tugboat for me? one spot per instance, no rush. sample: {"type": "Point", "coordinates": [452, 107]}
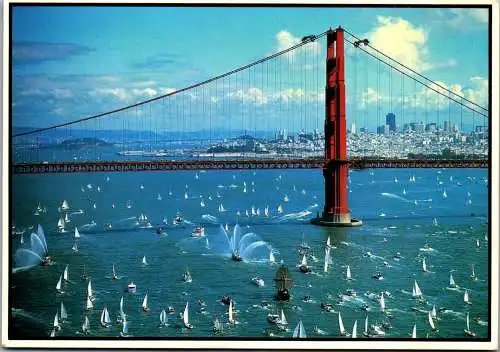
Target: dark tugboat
{"type": "Point", "coordinates": [236, 256]}
{"type": "Point", "coordinates": [284, 283]}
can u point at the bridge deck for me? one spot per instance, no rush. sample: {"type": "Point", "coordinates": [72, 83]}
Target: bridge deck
{"type": "Point", "coordinates": [177, 165]}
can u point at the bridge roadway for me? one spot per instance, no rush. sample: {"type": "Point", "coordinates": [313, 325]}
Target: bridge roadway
{"type": "Point", "coordinates": [178, 165]}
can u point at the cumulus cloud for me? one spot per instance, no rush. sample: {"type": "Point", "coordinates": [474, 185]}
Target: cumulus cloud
{"type": "Point", "coordinates": [253, 95]}
{"type": "Point", "coordinates": [285, 40]}
{"type": "Point", "coordinates": [401, 40]}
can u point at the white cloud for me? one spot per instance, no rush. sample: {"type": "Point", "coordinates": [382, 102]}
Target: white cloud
{"type": "Point", "coordinates": [119, 93]}
{"type": "Point", "coordinates": [164, 91]}
{"type": "Point", "coordinates": [253, 95]}
{"type": "Point", "coordinates": [402, 41]}
{"type": "Point", "coordinates": [144, 92]}
{"type": "Point", "coordinates": [286, 40]}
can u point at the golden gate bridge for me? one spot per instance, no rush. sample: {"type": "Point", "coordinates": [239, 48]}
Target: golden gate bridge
{"type": "Point", "coordinates": [274, 113]}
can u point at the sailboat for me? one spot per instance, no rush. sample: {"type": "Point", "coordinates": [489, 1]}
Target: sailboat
{"type": "Point", "coordinates": [303, 267]}
{"type": "Point", "coordinates": [280, 209]}
{"type": "Point", "coordinates": [65, 273]}
{"type": "Point", "coordinates": [327, 259]}
{"type": "Point", "coordinates": [466, 297]}
{"type": "Point", "coordinates": [186, 195]}
{"type": "Point", "coordinates": [64, 313]}
{"type": "Point", "coordinates": [65, 205]}
{"type": "Point", "coordinates": [257, 212]}
{"type": "Point", "coordinates": [424, 265]}
{"type": "Point", "coordinates": [59, 285]}
{"type": "Point", "coordinates": [253, 211]}
{"type": "Point", "coordinates": [145, 303]}
{"type": "Point", "coordinates": [282, 323]}
{"type": "Point", "coordinates": [468, 331]}
{"type": "Point", "coordinates": [61, 224]}
{"type": "Point", "coordinates": [286, 199]}
{"type": "Point", "coordinates": [473, 275]}
{"type": "Point", "coordinates": [366, 332]}
{"type": "Point", "coordinates": [348, 273]}
{"type": "Point", "coordinates": [163, 318]}
{"type": "Point", "coordinates": [272, 259]}
{"type": "Point", "coordinates": [445, 195]}
{"type": "Point", "coordinates": [328, 243]}
{"type": "Point", "coordinates": [185, 317]}
{"type": "Point", "coordinates": [431, 322]}
{"type": "Point", "coordinates": [404, 191]}
{"type": "Point", "coordinates": [416, 290]}
{"type": "Point", "coordinates": [382, 302]}
{"type": "Point", "coordinates": [122, 313]}
{"type": "Point", "coordinates": [414, 332]}
{"type": "Point", "coordinates": [354, 328]}
{"type": "Point", "coordinates": [22, 238]}
{"type": "Point", "coordinates": [299, 331]}
{"type": "Point", "coordinates": [89, 305]}
{"type": "Point", "coordinates": [114, 277]}
{"type": "Point", "coordinates": [202, 203]}
{"type": "Point", "coordinates": [86, 325]}
{"type": "Point", "coordinates": [144, 261]}
{"type": "Point", "coordinates": [105, 320]}
{"type": "Point", "coordinates": [266, 211]}
{"type": "Point", "coordinates": [89, 291]}
{"type": "Point", "coordinates": [343, 331]}
{"type": "Point", "coordinates": [56, 321]}
{"type": "Point", "coordinates": [452, 282]}
{"type": "Point", "coordinates": [124, 332]}
{"type": "Point", "coordinates": [433, 312]}
{"type": "Point", "coordinates": [230, 313]}
{"type": "Point", "coordinates": [221, 208]}
{"type": "Point", "coordinates": [435, 222]}
{"type": "Point", "coordinates": [66, 218]}
{"type": "Point", "coordinates": [217, 326]}
{"type": "Point", "coordinates": [77, 234]}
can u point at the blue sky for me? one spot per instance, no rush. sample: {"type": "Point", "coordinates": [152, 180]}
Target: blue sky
{"type": "Point", "coordinates": [69, 62]}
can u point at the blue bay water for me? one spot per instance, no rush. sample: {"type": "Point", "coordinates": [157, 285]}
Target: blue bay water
{"type": "Point", "coordinates": [406, 227]}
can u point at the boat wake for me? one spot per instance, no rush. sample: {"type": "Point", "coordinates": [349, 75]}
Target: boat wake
{"type": "Point", "coordinates": [395, 196]}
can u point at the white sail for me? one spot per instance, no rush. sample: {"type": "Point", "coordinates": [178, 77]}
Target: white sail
{"type": "Point", "coordinates": [89, 289]}
{"type": "Point", "coordinates": [433, 312]}
{"type": "Point", "coordinates": [202, 203]}
{"type": "Point", "coordinates": [304, 261]}
{"type": "Point", "coordinates": [114, 271]}
{"type": "Point", "coordinates": [444, 194]}
{"type": "Point", "coordinates": [272, 259]}
{"type": "Point", "coordinates": [354, 328]}
{"type": "Point", "coordinates": [452, 281]}
{"type": "Point", "coordinates": [414, 332]}
{"type": "Point", "coordinates": [107, 319]}
{"type": "Point", "coordinates": [280, 209]}
{"type": "Point", "coordinates": [64, 313]}
{"type": "Point", "coordinates": [366, 325]}
{"type": "Point", "coordinates": [466, 296]}
{"type": "Point", "coordinates": [431, 321]}
{"type": "Point", "coordinates": [283, 318]}
{"type": "Point", "coordinates": [186, 195]}
{"type": "Point", "coordinates": [65, 273]}
{"type": "Point", "coordinates": [145, 302]}
{"type": "Point", "coordinates": [66, 218]}
{"type": "Point", "coordinates": [382, 302]}
{"type": "Point", "coordinates": [61, 224]}
{"type": "Point", "coordinates": [417, 292]}
{"type": "Point", "coordinates": [327, 254]}
{"type": "Point", "coordinates": [266, 211]}
{"type": "Point", "coordinates": [424, 265]}
{"type": "Point", "coordinates": [56, 320]}
{"type": "Point", "coordinates": [65, 205]}
{"type": "Point", "coordinates": [230, 312]}
{"type": "Point", "coordinates": [89, 304]}
{"type": "Point", "coordinates": [328, 244]}
{"type": "Point", "coordinates": [144, 261]}
{"type": "Point", "coordinates": [86, 325]}
{"type": "Point", "coordinates": [77, 234]}
{"type": "Point", "coordinates": [121, 305]}
{"type": "Point", "coordinates": [341, 325]}
{"type": "Point", "coordinates": [253, 211]}
{"type": "Point", "coordinates": [125, 328]}
{"type": "Point", "coordinates": [75, 247]}
{"type": "Point", "coordinates": [185, 316]}
{"type": "Point", "coordinates": [163, 317]}
{"type": "Point", "coordinates": [299, 331]}
{"type": "Point", "coordinates": [59, 284]}
{"type": "Point", "coordinates": [102, 316]}
{"type": "Point", "coordinates": [467, 320]}
{"type": "Point", "coordinates": [348, 274]}
{"type": "Point", "coordinates": [473, 271]}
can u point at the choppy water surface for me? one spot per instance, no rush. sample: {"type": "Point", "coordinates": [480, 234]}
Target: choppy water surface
{"type": "Point", "coordinates": [398, 216]}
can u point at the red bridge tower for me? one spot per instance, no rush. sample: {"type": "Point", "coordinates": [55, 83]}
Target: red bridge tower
{"type": "Point", "coordinates": [336, 211]}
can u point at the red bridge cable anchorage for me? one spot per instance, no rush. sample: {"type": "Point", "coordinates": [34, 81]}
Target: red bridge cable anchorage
{"type": "Point", "coordinates": [241, 68]}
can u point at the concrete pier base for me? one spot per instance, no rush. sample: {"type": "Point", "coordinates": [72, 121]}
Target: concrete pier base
{"type": "Point", "coordinates": [336, 220]}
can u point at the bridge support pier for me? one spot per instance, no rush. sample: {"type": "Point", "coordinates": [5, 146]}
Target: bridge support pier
{"type": "Point", "coordinates": [335, 171]}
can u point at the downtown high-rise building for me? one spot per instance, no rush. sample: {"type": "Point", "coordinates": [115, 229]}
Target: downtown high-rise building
{"type": "Point", "coordinates": [390, 119]}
